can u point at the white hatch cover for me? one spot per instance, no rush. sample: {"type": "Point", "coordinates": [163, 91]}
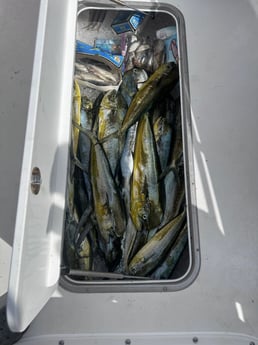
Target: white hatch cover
{"type": "Point", "coordinates": [35, 266]}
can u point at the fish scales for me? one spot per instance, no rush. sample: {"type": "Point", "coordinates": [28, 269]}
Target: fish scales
{"type": "Point", "coordinates": [107, 201]}
{"type": "Point", "coordinates": [177, 148]}
{"type": "Point", "coordinates": [146, 204]}
{"type": "Point", "coordinates": [110, 117]}
{"type": "Point", "coordinates": [86, 121]}
{"type": "Point", "coordinates": [76, 109]}
{"type": "Point", "coordinates": [87, 118]}
{"type": "Point", "coordinates": [127, 243]}
{"type": "Point", "coordinates": [126, 165]}
{"type": "Point", "coordinates": [87, 70]}
{"type": "Point", "coordinates": [69, 251]}
{"type": "Point", "coordinates": [163, 135]}
{"type": "Point", "coordinates": [179, 198]}
{"type": "Point", "coordinates": [166, 268]}
{"type": "Point", "coordinates": [131, 79]}
{"type": "Point", "coordinates": [84, 253]}
{"type": "Point", "coordinates": [152, 254]}
{"type": "Point", "coordinates": [128, 89]}
{"type": "Point", "coordinates": [163, 79]}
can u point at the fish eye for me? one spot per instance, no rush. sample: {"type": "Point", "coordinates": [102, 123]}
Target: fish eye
{"type": "Point", "coordinates": [133, 270]}
{"type": "Point", "coordinates": [144, 217]}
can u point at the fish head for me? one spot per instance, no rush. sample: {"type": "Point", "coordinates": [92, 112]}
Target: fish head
{"type": "Point", "coordinates": [165, 76]}
{"type": "Point", "coordinates": [139, 75]}
{"type": "Point", "coordinates": [168, 67]}
{"type": "Point", "coordinates": [137, 264]}
{"type": "Point", "coordinates": [134, 46]}
{"type": "Point", "coordinates": [109, 100]}
{"type": "Point", "coordinates": [171, 74]}
{"type": "Point", "coordinates": [112, 95]}
{"type": "Point", "coordinates": [144, 214]}
{"type": "Point", "coordinates": [140, 214]}
{"type": "Point", "coordinates": [128, 87]}
{"type": "Point", "coordinates": [86, 103]}
{"type": "Point", "coordinates": [141, 59]}
{"type": "Point", "coordinates": [133, 77]}
{"type": "Point", "coordinates": [165, 71]}
{"type": "Point", "coordinates": [105, 221]}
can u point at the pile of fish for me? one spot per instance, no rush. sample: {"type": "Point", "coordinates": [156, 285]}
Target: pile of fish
{"type": "Point", "coordinates": [125, 188]}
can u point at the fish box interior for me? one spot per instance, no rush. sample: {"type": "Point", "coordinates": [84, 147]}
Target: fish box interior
{"type": "Point", "coordinates": [129, 221]}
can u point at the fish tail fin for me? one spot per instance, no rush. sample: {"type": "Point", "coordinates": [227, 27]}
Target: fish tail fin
{"type": "Point", "coordinates": [80, 226]}
{"type": "Point", "coordinates": [175, 166]}
{"type": "Point", "coordinates": [115, 134]}
{"type": "Point", "coordinates": [87, 132]}
{"type": "Point", "coordinates": [167, 170]}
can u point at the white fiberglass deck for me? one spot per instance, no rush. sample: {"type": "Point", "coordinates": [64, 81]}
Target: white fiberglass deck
{"type": "Point", "coordinates": [221, 305]}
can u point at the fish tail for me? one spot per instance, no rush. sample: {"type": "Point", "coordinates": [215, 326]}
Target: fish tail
{"type": "Point", "coordinates": [87, 132]}
{"type": "Point", "coordinates": [116, 134]}
{"type": "Point", "coordinates": [169, 168]}
{"type": "Point", "coordinates": [80, 165]}
{"type": "Point", "coordinates": [81, 224]}
{"type": "Point", "coordinates": [175, 166]}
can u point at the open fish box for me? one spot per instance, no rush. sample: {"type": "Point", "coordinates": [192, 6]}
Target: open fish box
{"type": "Point", "coordinates": [129, 219]}
{"type": "Point", "coordinates": [107, 198]}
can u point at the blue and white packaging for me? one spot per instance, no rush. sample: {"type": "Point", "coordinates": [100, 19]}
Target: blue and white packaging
{"type": "Point", "coordinates": [169, 35]}
{"type": "Point", "coordinates": [127, 21]}
{"type": "Point", "coordinates": [84, 48]}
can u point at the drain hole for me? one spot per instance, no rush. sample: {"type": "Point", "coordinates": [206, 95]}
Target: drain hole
{"type": "Point", "coordinates": [35, 180]}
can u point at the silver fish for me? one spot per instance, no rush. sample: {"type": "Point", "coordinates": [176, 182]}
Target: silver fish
{"type": "Point", "coordinates": [179, 198]}
{"type": "Point", "coordinates": [170, 186]}
{"type": "Point", "coordinates": [126, 165]}
{"type": "Point", "coordinates": [134, 46]}
{"type": "Point", "coordinates": [69, 251]}
{"type": "Point", "coordinates": [129, 85]}
{"type": "Point", "coordinates": [84, 253]}
{"type": "Point", "coordinates": [110, 117]}
{"type": "Point", "coordinates": [152, 254]}
{"type": "Point", "coordinates": [108, 205]}
{"type": "Point", "coordinates": [86, 121]}
{"type": "Point", "coordinates": [163, 134]}
{"type": "Point", "coordinates": [146, 200]}
{"type": "Point", "coordinates": [165, 270]}
{"type": "Point", "coordinates": [93, 72]}
{"type": "Point", "coordinates": [127, 245]}
{"type": "Point", "coordinates": [153, 89]}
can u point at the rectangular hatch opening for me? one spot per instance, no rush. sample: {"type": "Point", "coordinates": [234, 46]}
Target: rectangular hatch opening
{"type": "Point", "coordinates": [130, 221]}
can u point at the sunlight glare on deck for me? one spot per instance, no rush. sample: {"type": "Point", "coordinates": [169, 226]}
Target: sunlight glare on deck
{"type": "Point", "coordinates": [213, 196]}
{"type": "Point", "coordinates": [240, 312]}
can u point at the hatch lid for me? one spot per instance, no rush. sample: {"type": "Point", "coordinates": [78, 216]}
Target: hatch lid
{"type": "Point", "coordinates": [35, 265]}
